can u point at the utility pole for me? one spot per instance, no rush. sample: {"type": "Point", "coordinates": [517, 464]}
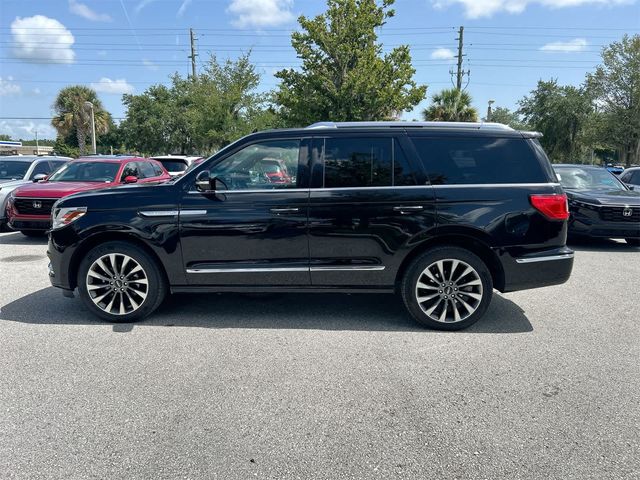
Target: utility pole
{"type": "Point", "coordinates": [459, 72]}
{"type": "Point", "coordinates": [489, 103]}
{"type": "Point", "coordinates": [193, 55]}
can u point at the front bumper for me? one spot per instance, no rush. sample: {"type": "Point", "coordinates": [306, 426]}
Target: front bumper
{"type": "Point", "coordinates": [25, 222]}
{"type": "Point", "coordinates": [539, 269]}
{"type": "Point", "coordinates": [589, 222]}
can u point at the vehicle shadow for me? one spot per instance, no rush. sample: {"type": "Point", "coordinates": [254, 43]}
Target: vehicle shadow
{"type": "Point", "coordinates": [600, 245]}
{"type": "Point", "coordinates": [17, 238]}
{"type": "Point", "coordinates": [359, 312]}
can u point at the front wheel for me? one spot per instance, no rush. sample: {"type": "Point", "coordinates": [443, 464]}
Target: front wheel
{"type": "Point", "coordinates": [634, 242]}
{"type": "Point", "coordinates": [120, 282]}
{"type": "Point", "coordinates": [447, 288]}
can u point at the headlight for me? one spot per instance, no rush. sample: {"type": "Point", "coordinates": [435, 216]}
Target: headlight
{"type": "Point", "coordinates": [65, 216]}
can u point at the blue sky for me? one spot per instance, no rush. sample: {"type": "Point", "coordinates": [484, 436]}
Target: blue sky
{"type": "Point", "coordinates": [120, 46]}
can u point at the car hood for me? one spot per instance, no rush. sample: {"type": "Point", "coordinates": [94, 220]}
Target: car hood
{"type": "Point", "coordinates": [4, 181]}
{"type": "Point", "coordinates": [605, 197]}
{"type": "Point", "coordinates": [57, 189]}
{"type": "Point", "coordinates": [118, 197]}
{"type": "Point", "coordinates": [12, 183]}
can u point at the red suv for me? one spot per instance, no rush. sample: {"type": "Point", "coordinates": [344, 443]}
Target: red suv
{"type": "Point", "coordinates": [29, 207]}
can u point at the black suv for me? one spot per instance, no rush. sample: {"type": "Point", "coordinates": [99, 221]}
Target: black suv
{"type": "Point", "coordinates": [441, 213]}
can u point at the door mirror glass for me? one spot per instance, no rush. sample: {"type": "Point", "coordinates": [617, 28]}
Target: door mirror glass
{"type": "Point", "coordinates": [39, 177]}
{"type": "Point", "coordinates": [204, 183]}
{"type": "Point", "coordinates": [130, 179]}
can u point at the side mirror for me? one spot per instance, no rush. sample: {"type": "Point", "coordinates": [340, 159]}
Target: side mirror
{"type": "Point", "coordinates": [631, 187]}
{"type": "Point", "coordinates": [204, 182]}
{"type": "Point", "coordinates": [130, 179]}
{"type": "Point", "coordinates": [39, 177]}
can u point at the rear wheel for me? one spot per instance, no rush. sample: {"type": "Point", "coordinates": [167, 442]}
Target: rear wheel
{"type": "Point", "coordinates": [635, 242]}
{"type": "Point", "coordinates": [34, 233]}
{"type": "Point", "coordinates": [447, 288]}
{"type": "Point", "coordinates": [120, 282]}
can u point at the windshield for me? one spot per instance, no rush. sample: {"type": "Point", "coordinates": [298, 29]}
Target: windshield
{"type": "Point", "coordinates": [588, 179]}
{"type": "Point", "coordinates": [91, 171]}
{"type": "Point", "coordinates": [13, 169]}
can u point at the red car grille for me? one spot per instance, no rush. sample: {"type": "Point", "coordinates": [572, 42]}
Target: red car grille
{"type": "Point", "coordinates": [34, 206]}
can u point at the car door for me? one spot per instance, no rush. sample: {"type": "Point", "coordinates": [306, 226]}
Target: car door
{"type": "Point", "coordinates": [251, 231]}
{"type": "Point", "coordinates": [368, 199]}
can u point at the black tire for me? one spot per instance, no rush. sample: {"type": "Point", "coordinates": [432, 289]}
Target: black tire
{"type": "Point", "coordinates": [156, 288]}
{"type": "Point", "coordinates": [634, 242]}
{"type": "Point", "coordinates": [34, 233]}
{"type": "Point", "coordinates": [480, 277]}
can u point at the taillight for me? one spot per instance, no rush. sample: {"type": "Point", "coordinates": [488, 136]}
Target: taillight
{"type": "Point", "coordinates": [553, 206]}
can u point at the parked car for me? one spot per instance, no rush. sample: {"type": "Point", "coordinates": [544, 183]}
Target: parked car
{"type": "Point", "coordinates": [176, 165]}
{"type": "Point", "coordinates": [600, 204]}
{"type": "Point", "coordinates": [442, 213]}
{"type": "Point", "coordinates": [17, 170]}
{"type": "Point", "coordinates": [631, 178]}
{"type": "Point", "coordinates": [615, 169]}
{"type": "Point", "coordinates": [29, 206]}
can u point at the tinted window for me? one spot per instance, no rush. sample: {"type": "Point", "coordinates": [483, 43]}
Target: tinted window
{"type": "Point", "coordinates": [357, 162]}
{"type": "Point", "coordinates": [130, 170]}
{"type": "Point", "coordinates": [89, 171]}
{"type": "Point", "coordinates": [13, 169]}
{"type": "Point", "coordinates": [265, 165]}
{"type": "Point", "coordinates": [634, 177]}
{"type": "Point", "coordinates": [175, 165]}
{"type": "Point", "coordinates": [41, 168]}
{"type": "Point", "coordinates": [457, 160]}
{"type": "Point", "coordinates": [402, 171]}
{"type": "Point", "coordinates": [576, 178]}
{"type": "Point", "coordinates": [146, 170]}
{"type": "Point", "coordinates": [157, 169]}
{"type": "Point", "coordinates": [56, 164]}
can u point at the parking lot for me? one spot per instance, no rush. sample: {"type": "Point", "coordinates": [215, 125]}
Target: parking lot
{"type": "Point", "coordinates": [303, 386]}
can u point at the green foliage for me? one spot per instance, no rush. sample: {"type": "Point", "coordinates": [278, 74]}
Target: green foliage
{"type": "Point", "coordinates": [344, 75]}
{"type": "Point", "coordinates": [197, 115]}
{"type": "Point", "coordinates": [507, 117]}
{"type": "Point", "coordinates": [562, 114]}
{"type": "Point", "coordinates": [615, 86]}
{"type": "Point", "coordinates": [451, 105]}
{"type": "Point", "coordinates": [71, 115]}
{"type": "Point", "coordinates": [64, 149]}
{"type": "Point", "coordinates": [5, 138]}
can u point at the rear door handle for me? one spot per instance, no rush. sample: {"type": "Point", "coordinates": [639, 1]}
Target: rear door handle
{"type": "Point", "coordinates": [285, 210]}
{"type": "Point", "coordinates": [407, 209]}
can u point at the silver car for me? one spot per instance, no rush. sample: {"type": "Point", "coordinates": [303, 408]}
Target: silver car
{"type": "Point", "coordinates": [631, 177]}
{"type": "Point", "coordinates": [17, 170]}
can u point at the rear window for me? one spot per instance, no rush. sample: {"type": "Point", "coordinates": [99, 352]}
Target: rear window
{"type": "Point", "coordinates": [174, 165]}
{"type": "Point", "coordinates": [479, 160]}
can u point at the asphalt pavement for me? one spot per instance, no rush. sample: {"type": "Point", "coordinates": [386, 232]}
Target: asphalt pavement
{"type": "Point", "coordinates": [296, 386]}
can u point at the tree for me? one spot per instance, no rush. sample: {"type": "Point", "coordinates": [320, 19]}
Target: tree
{"type": "Point", "coordinates": [344, 76]}
{"type": "Point", "coordinates": [615, 86]}
{"type": "Point", "coordinates": [198, 115]}
{"type": "Point", "coordinates": [561, 114]}
{"type": "Point", "coordinates": [5, 138]}
{"type": "Point", "coordinates": [506, 117]}
{"type": "Point", "coordinates": [71, 114]}
{"type": "Point", "coordinates": [451, 105]}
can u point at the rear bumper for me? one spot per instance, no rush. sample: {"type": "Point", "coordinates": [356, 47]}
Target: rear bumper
{"type": "Point", "coordinates": [539, 269]}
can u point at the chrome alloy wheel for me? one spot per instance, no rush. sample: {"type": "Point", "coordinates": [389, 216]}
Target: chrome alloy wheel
{"type": "Point", "coordinates": [449, 291]}
{"type": "Point", "coordinates": [117, 284]}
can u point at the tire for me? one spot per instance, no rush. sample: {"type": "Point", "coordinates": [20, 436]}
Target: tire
{"type": "Point", "coordinates": [123, 299]}
{"type": "Point", "coordinates": [34, 233]}
{"type": "Point", "coordinates": [634, 242]}
{"type": "Point", "coordinates": [471, 298]}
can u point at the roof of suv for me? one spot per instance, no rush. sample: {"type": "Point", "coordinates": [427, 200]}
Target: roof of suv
{"type": "Point", "coordinates": [32, 158]}
{"type": "Point", "coordinates": [112, 158]}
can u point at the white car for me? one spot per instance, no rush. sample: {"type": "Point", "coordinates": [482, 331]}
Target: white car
{"type": "Point", "coordinates": [631, 177]}
{"type": "Point", "coordinates": [17, 170]}
{"type": "Point", "coordinates": [176, 165]}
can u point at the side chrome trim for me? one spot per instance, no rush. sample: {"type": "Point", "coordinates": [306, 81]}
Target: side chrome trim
{"type": "Point", "coordinates": [192, 212]}
{"type": "Point", "coordinates": [266, 190]}
{"type": "Point", "coordinates": [158, 213]}
{"type": "Point", "coordinates": [349, 268]}
{"type": "Point", "coordinates": [549, 258]}
{"type": "Point", "coordinates": [497, 185]}
{"type": "Point", "coordinates": [248, 270]}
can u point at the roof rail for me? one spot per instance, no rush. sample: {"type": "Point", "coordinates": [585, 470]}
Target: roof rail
{"type": "Point", "coordinates": [399, 124]}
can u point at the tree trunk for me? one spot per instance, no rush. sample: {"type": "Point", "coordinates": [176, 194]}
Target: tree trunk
{"type": "Point", "coordinates": [82, 140]}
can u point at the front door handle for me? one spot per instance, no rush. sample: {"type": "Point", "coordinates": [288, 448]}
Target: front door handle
{"type": "Point", "coordinates": [285, 210]}
{"type": "Point", "coordinates": [407, 209]}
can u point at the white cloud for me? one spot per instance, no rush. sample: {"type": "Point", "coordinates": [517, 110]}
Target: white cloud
{"type": "Point", "coordinates": [26, 130]}
{"type": "Point", "coordinates": [575, 45]}
{"type": "Point", "coordinates": [149, 64]}
{"type": "Point", "coordinates": [9, 87]}
{"type": "Point", "coordinates": [260, 13]}
{"type": "Point", "coordinates": [183, 7]}
{"type": "Point", "coordinates": [442, 54]}
{"type": "Point", "coordinates": [106, 85]}
{"type": "Point", "coordinates": [84, 11]}
{"type": "Point", "coordinates": [142, 4]}
{"type": "Point", "coordinates": [486, 8]}
{"type": "Point", "coordinates": [41, 39]}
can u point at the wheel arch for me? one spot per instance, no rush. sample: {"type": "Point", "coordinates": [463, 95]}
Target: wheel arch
{"type": "Point", "coordinates": [469, 239]}
{"type": "Point", "coordinates": [100, 238]}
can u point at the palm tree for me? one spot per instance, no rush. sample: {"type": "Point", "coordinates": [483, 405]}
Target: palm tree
{"type": "Point", "coordinates": [451, 105]}
{"type": "Point", "coordinates": [72, 114]}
